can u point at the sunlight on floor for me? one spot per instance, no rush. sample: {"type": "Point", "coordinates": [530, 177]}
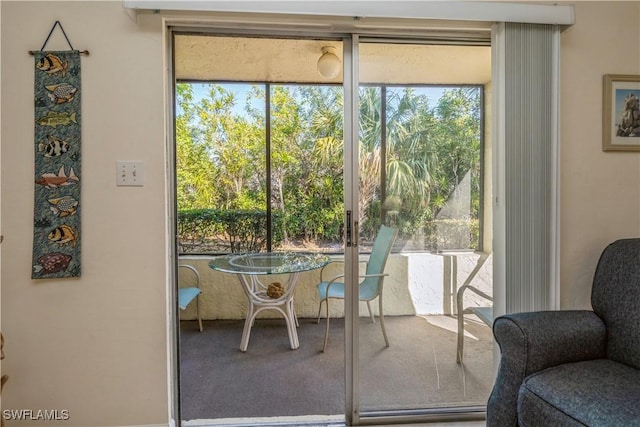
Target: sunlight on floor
{"type": "Point", "coordinates": [451, 323]}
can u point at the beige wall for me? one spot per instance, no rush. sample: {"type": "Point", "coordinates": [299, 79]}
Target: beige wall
{"type": "Point", "coordinates": [97, 345]}
{"type": "Point", "coordinates": [600, 192]}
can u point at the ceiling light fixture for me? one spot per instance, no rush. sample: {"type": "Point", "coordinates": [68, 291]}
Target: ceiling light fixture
{"type": "Point", "coordinates": [328, 63]}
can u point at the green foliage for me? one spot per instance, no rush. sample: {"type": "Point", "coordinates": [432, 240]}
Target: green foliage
{"type": "Point", "coordinates": [224, 230]}
{"type": "Point", "coordinates": [429, 150]}
{"type": "Point", "coordinates": [197, 228]}
{"type": "Point", "coordinates": [446, 234]}
{"type": "Point", "coordinates": [194, 169]}
{"type": "Point", "coordinates": [222, 164]}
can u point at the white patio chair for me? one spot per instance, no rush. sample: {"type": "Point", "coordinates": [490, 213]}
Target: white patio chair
{"type": "Point", "coordinates": [187, 294]}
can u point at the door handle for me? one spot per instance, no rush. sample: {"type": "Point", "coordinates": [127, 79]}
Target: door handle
{"type": "Point", "coordinates": [348, 230]}
{"type": "Point", "coordinates": [352, 231]}
{"type": "Point", "coordinates": [356, 233]}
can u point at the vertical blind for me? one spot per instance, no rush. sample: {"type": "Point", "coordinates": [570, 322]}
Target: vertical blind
{"type": "Point", "coordinates": [530, 166]}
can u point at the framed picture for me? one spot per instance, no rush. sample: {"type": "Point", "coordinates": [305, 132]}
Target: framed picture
{"type": "Point", "coordinates": [621, 112]}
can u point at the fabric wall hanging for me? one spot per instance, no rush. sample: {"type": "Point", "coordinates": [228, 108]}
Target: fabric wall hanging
{"type": "Point", "coordinates": [57, 203]}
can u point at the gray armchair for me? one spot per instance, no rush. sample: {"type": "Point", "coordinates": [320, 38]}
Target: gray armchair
{"type": "Point", "coordinates": [575, 368]}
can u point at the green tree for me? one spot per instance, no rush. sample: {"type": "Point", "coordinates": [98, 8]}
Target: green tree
{"type": "Point", "coordinates": [222, 159]}
{"type": "Point", "coordinates": [237, 150]}
{"type": "Point", "coordinates": [195, 171]}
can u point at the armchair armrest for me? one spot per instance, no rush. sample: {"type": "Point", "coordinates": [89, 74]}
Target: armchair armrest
{"type": "Point", "coordinates": [530, 342]}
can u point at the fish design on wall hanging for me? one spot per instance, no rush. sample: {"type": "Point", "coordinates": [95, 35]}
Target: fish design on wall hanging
{"type": "Point", "coordinates": [53, 65]}
{"type": "Point", "coordinates": [56, 239]}
{"type": "Point", "coordinates": [53, 147]}
{"type": "Point", "coordinates": [61, 93]}
{"type": "Point", "coordinates": [54, 119]}
{"type": "Point", "coordinates": [51, 180]}
{"type": "Point", "coordinates": [50, 263]}
{"type": "Point", "coordinates": [56, 224]}
{"type": "Point", "coordinates": [63, 235]}
{"type": "Point", "coordinates": [63, 206]}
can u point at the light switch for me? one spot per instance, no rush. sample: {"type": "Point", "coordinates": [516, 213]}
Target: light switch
{"type": "Point", "coordinates": [130, 173]}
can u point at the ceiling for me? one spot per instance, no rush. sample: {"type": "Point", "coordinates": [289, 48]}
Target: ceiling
{"type": "Point", "coordinates": [286, 60]}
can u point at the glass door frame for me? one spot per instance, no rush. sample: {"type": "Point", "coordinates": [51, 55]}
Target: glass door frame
{"type": "Point", "coordinates": [353, 415]}
{"type": "Point", "coordinates": [350, 84]}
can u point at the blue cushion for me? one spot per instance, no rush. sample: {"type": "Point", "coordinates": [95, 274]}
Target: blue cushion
{"type": "Point", "coordinates": [485, 314]}
{"type": "Point", "coordinates": [186, 295]}
{"type": "Point", "coordinates": [335, 291]}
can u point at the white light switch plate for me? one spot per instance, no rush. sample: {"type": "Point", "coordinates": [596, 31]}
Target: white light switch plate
{"type": "Point", "coordinates": [130, 173]}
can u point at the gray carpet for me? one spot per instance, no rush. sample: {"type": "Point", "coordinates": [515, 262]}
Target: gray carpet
{"type": "Point", "coordinates": [417, 371]}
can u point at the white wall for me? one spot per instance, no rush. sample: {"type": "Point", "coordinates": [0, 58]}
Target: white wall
{"type": "Point", "coordinates": [417, 283]}
{"type": "Point", "coordinates": [600, 191]}
{"type": "Point", "coordinates": [96, 345]}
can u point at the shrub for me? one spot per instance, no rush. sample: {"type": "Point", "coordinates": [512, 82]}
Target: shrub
{"type": "Point", "coordinates": [224, 231]}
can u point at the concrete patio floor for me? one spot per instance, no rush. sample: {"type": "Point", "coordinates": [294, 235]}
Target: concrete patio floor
{"type": "Point", "coordinates": [220, 384]}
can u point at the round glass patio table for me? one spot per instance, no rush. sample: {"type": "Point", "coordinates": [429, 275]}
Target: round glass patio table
{"type": "Point", "coordinates": [249, 268]}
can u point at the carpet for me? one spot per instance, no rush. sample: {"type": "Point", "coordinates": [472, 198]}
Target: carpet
{"type": "Point", "coordinates": [417, 371]}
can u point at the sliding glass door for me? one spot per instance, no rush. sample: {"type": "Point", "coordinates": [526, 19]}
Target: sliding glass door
{"type": "Point", "coordinates": [259, 168]}
{"type": "Point", "coordinates": [378, 161]}
{"type": "Point", "coordinates": [419, 151]}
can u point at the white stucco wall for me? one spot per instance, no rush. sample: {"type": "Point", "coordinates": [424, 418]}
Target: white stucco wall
{"type": "Point", "coordinates": [416, 284]}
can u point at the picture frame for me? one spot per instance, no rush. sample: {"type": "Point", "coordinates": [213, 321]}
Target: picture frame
{"type": "Point", "coordinates": [621, 112]}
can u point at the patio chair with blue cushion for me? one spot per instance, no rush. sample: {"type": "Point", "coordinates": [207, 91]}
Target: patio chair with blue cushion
{"type": "Point", "coordinates": [371, 285]}
{"type": "Point", "coordinates": [189, 293]}
{"type": "Point", "coordinates": [484, 313]}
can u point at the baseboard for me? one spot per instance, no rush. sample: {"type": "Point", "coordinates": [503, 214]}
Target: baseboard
{"type": "Point", "coordinates": [148, 425]}
{"type": "Point", "coordinates": [299, 421]}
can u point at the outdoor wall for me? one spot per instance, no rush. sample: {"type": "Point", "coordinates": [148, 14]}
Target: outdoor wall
{"type": "Point", "coordinates": [600, 191]}
{"type": "Point", "coordinates": [95, 346]}
{"type": "Point", "coordinates": [419, 283]}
